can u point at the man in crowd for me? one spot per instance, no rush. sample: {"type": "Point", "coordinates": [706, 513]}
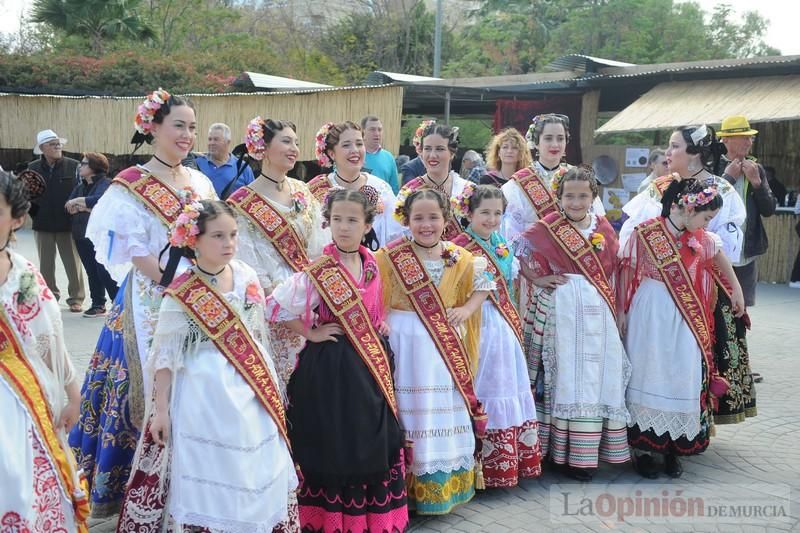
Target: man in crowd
{"type": "Point", "coordinates": [220, 165]}
{"type": "Point", "coordinates": [378, 162]}
{"type": "Point", "coordinates": [52, 227]}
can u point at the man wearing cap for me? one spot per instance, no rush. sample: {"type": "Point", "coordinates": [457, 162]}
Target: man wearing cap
{"type": "Point", "coordinates": [750, 181]}
{"type": "Point", "coordinates": [51, 222]}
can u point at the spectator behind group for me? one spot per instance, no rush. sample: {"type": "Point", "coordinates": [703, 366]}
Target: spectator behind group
{"type": "Point", "coordinates": [506, 153]}
{"type": "Point", "coordinates": [401, 160]}
{"type": "Point", "coordinates": [472, 166]}
{"type": "Point", "coordinates": [416, 168]}
{"type": "Point", "coordinates": [51, 222]}
{"type": "Point", "coordinates": [220, 165]}
{"type": "Point", "coordinates": [656, 166]}
{"type": "Point", "coordinates": [778, 189]}
{"type": "Point", "coordinates": [94, 180]}
{"type": "Point", "coordinates": [378, 162]}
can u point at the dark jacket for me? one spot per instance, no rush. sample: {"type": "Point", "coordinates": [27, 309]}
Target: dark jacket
{"type": "Point", "coordinates": [92, 192]}
{"type": "Point", "coordinates": [413, 169]}
{"type": "Point", "coordinates": [49, 213]}
{"type": "Point", "coordinates": [759, 202]}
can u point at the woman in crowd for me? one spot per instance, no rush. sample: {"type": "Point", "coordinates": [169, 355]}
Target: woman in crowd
{"type": "Point", "coordinates": [506, 154]}
{"type": "Point", "coordinates": [280, 224]}
{"type": "Point", "coordinates": [657, 166]}
{"type": "Point", "coordinates": [94, 181]}
{"type": "Point", "coordinates": [129, 227]}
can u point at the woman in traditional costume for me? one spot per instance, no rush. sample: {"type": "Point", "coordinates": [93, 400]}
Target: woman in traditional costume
{"type": "Point", "coordinates": [346, 438]}
{"type": "Point", "coordinates": [433, 291]}
{"type": "Point", "coordinates": [506, 154]}
{"type": "Point", "coordinates": [438, 144]}
{"type": "Point", "coordinates": [341, 146]}
{"type": "Point", "coordinates": [42, 487]}
{"type": "Point", "coordinates": [280, 224]}
{"type": "Point", "coordinates": [129, 228]}
{"type": "Point", "coordinates": [579, 363]}
{"type": "Point", "coordinates": [701, 151]}
{"type": "Point", "coordinates": [511, 448]}
{"type": "Point", "coordinates": [214, 454]}
{"type": "Point", "coordinates": [667, 286]}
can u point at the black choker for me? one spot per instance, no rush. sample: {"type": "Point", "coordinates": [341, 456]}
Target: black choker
{"type": "Point", "coordinates": [547, 168]}
{"type": "Point", "coordinates": [278, 184]}
{"type": "Point", "coordinates": [679, 230]}
{"type": "Point", "coordinates": [339, 177]}
{"type": "Point", "coordinates": [576, 221]}
{"type": "Point", "coordinates": [426, 247]}
{"type": "Point", "coordinates": [211, 275]}
{"type": "Point", "coordinates": [347, 251]}
{"type": "Point", "coordinates": [438, 186]}
{"type": "Point", "coordinates": [171, 167]}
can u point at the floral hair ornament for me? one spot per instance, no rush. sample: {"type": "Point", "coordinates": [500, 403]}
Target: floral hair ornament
{"type": "Point", "coordinates": [402, 196]}
{"type": "Point", "coordinates": [254, 138]}
{"type": "Point", "coordinates": [696, 199]}
{"type": "Point", "coordinates": [529, 134]}
{"type": "Point", "coordinates": [320, 141]}
{"type": "Point", "coordinates": [184, 231]}
{"type": "Point", "coordinates": [460, 203]}
{"type": "Point", "coordinates": [417, 140]}
{"type": "Point", "coordinates": [558, 176]}
{"type": "Point", "coordinates": [146, 112]}
{"type": "Point", "coordinates": [699, 134]}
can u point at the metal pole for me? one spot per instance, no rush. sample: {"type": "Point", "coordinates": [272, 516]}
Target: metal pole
{"type": "Point", "coordinates": [437, 41]}
{"type": "Point", "coordinates": [447, 107]}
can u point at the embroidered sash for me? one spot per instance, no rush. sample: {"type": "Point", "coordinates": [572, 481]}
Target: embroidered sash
{"type": "Point", "coordinates": [278, 231]}
{"type": "Point", "coordinates": [156, 195]}
{"type": "Point", "coordinates": [582, 253]}
{"type": "Point", "coordinates": [536, 190]}
{"type": "Point", "coordinates": [501, 298]}
{"type": "Point", "coordinates": [319, 187]}
{"type": "Point", "coordinates": [428, 304]}
{"type": "Point", "coordinates": [342, 298]}
{"type": "Point", "coordinates": [225, 329]}
{"type": "Point", "coordinates": [20, 376]}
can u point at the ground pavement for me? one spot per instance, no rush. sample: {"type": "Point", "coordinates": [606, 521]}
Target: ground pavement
{"type": "Point", "coordinates": [745, 461]}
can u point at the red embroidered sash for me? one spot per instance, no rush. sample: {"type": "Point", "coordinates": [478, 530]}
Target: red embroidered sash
{"type": "Point", "coordinates": [17, 372]}
{"type": "Point", "coordinates": [156, 195]}
{"type": "Point", "coordinates": [665, 256]}
{"type": "Point", "coordinates": [342, 298]}
{"type": "Point", "coordinates": [225, 329]}
{"type": "Point", "coordinates": [278, 231]}
{"type": "Point", "coordinates": [319, 187]}
{"type": "Point", "coordinates": [536, 190]}
{"type": "Point", "coordinates": [582, 253]}
{"type": "Point", "coordinates": [502, 297]}
{"type": "Point", "coordinates": [427, 302]}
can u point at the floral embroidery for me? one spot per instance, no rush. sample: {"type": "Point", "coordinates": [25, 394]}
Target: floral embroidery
{"type": "Point", "coordinates": [254, 138]}
{"type": "Point", "coordinates": [450, 254]}
{"type": "Point", "coordinates": [598, 241]}
{"type": "Point", "coordinates": [28, 288]}
{"type": "Point", "coordinates": [501, 250]}
{"type": "Point", "coordinates": [146, 111]}
{"type": "Point", "coordinates": [299, 201]}
{"type": "Point", "coordinates": [319, 145]}
{"type": "Point", "coordinates": [461, 202]}
{"type": "Point", "coordinates": [370, 271]}
{"type": "Point", "coordinates": [373, 197]}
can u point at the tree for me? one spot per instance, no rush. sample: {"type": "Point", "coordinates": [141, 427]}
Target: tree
{"type": "Point", "coordinates": [97, 20]}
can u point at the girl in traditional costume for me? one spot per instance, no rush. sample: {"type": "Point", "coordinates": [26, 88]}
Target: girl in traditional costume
{"type": "Point", "coordinates": [511, 447]}
{"type": "Point", "coordinates": [214, 454]}
{"type": "Point", "coordinates": [579, 363]}
{"type": "Point", "coordinates": [341, 146]}
{"type": "Point", "coordinates": [42, 487]}
{"type": "Point", "coordinates": [438, 144]}
{"type": "Point", "coordinates": [280, 224]}
{"type": "Point", "coordinates": [343, 417]}
{"type": "Point", "coordinates": [693, 150]}
{"type": "Point", "coordinates": [433, 291]}
{"type": "Point", "coordinates": [667, 289]}
{"type": "Point", "coordinates": [129, 227]}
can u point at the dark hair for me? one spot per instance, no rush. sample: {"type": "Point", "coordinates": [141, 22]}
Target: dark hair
{"type": "Point", "coordinates": [212, 209]}
{"type": "Point", "coordinates": [486, 192]}
{"type": "Point", "coordinates": [370, 240]}
{"type": "Point", "coordinates": [677, 189]}
{"type": "Point", "coordinates": [425, 194]}
{"type": "Point", "coordinates": [448, 132]}
{"type": "Point", "coordinates": [709, 147]}
{"type": "Point", "coordinates": [97, 162]}
{"type": "Point", "coordinates": [543, 120]}
{"type": "Point", "coordinates": [368, 118]}
{"type": "Point", "coordinates": [579, 173]}
{"type": "Point", "coordinates": [335, 133]}
{"type": "Point", "coordinates": [159, 116]}
{"type": "Point", "coordinates": [15, 193]}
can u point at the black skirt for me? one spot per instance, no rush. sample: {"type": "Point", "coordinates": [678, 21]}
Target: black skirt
{"type": "Point", "coordinates": [341, 427]}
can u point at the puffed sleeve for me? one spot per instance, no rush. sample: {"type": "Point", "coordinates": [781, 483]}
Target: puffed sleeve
{"type": "Point", "coordinates": [481, 280]}
{"type": "Point", "coordinates": [294, 298]}
{"type": "Point", "coordinates": [516, 219]}
{"type": "Point", "coordinates": [175, 337]}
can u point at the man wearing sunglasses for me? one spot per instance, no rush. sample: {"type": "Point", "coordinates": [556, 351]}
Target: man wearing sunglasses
{"type": "Point", "coordinates": [52, 228]}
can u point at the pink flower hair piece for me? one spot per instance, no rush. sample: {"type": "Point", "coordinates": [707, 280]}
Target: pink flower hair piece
{"type": "Point", "coordinates": [146, 112]}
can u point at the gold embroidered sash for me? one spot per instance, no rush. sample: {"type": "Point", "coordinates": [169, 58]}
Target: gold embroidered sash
{"type": "Point", "coordinates": [536, 190]}
{"type": "Point", "coordinates": [582, 253]}
{"type": "Point", "coordinates": [319, 187]}
{"type": "Point", "coordinates": [428, 304]}
{"type": "Point", "coordinates": [156, 195]}
{"type": "Point", "coordinates": [224, 327]}
{"type": "Point", "coordinates": [342, 297]}
{"type": "Point", "coordinates": [17, 372]}
{"type": "Point", "coordinates": [278, 231]}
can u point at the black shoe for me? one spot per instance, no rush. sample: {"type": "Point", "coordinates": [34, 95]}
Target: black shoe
{"type": "Point", "coordinates": [95, 312]}
{"type": "Point", "coordinates": [672, 466]}
{"type": "Point", "coordinates": [584, 475]}
{"type": "Point", "coordinates": [646, 466]}
{"type": "Point", "coordinates": [757, 378]}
